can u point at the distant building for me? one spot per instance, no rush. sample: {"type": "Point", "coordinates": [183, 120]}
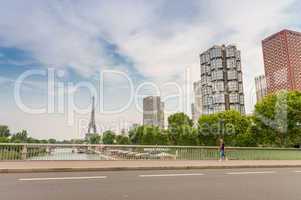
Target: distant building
{"type": "Point", "coordinates": [261, 87]}
{"type": "Point", "coordinates": [196, 107]}
{"type": "Point", "coordinates": [282, 61]}
{"type": "Point", "coordinates": [221, 80]}
{"type": "Point", "coordinates": [153, 111]}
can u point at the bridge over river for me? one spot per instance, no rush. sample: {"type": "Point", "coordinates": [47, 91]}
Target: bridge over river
{"type": "Point", "coordinates": [68, 154]}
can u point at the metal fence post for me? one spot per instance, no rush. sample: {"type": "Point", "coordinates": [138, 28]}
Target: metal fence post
{"type": "Point", "coordinates": [24, 152]}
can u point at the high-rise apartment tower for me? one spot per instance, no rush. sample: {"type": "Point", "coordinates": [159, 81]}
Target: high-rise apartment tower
{"type": "Point", "coordinates": [221, 80]}
{"type": "Point", "coordinates": [282, 61]}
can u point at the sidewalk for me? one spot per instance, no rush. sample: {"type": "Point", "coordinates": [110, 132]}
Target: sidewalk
{"type": "Point", "coordinates": [69, 166]}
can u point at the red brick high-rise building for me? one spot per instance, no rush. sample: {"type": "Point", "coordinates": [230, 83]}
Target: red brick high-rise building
{"type": "Point", "coordinates": [282, 61]}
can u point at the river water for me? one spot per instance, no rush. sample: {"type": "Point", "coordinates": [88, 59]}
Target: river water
{"type": "Point", "coordinates": [67, 154]}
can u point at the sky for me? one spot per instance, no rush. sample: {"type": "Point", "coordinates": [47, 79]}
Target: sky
{"type": "Point", "coordinates": [120, 51]}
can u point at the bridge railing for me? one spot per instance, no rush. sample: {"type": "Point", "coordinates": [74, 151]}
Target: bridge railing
{"type": "Point", "coordinates": [139, 152]}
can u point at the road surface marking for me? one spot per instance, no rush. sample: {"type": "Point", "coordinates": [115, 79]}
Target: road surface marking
{"type": "Point", "coordinates": [62, 178]}
{"type": "Point", "coordinates": [245, 173]}
{"type": "Point", "coordinates": [169, 175]}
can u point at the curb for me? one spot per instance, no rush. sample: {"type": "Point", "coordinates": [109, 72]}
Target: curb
{"type": "Point", "coordinates": [41, 170]}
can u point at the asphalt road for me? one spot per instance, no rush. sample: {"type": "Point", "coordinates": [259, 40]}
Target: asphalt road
{"type": "Point", "coordinates": [234, 184]}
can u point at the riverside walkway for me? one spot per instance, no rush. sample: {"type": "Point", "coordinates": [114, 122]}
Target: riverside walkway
{"type": "Point", "coordinates": [69, 166]}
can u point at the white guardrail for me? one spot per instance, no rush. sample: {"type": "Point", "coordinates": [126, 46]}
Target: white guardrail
{"type": "Point", "coordinates": [14, 151]}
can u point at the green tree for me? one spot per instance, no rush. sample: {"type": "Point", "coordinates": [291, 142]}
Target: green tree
{"type": "Point", "coordinates": [20, 137]}
{"type": "Point", "coordinates": [230, 125]}
{"type": "Point", "coordinates": [178, 124]}
{"type": "Point", "coordinates": [278, 118]}
{"type": "Point", "coordinates": [208, 126]}
{"type": "Point", "coordinates": [4, 131]}
{"type": "Point", "coordinates": [95, 139]}
{"type": "Point", "coordinates": [148, 135]}
{"type": "Point", "coordinates": [188, 137]}
{"type": "Point", "coordinates": [77, 141]}
{"type": "Point", "coordinates": [122, 139]}
{"type": "Point", "coordinates": [136, 135]}
{"type": "Point", "coordinates": [32, 140]}
{"type": "Point", "coordinates": [4, 140]}
{"type": "Point", "coordinates": [179, 119]}
{"type": "Point", "coordinates": [161, 137]}
{"type": "Point", "coordinates": [52, 141]}
{"type": "Point", "coordinates": [108, 137]}
{"type": "Point", "coordinates": [43, 141]}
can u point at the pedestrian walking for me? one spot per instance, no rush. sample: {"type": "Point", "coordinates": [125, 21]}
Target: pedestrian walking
{"type": "Point", "coordinates": [222, 149]}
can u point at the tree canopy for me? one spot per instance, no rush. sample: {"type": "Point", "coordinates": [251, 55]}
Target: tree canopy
{"type": "Point", "coordinates": [108, 137]}
{"type": "Point", "coordinates": [4, 131]}
{"type": "Point", "coordinates": [276, 122]}
{"type": "Point", "coordinates": [180, 129]}
{"type": "Point", "coordinates": [95, 139]}
{"type": "Point", "coordinates": [229, 125]}
{"type": "Point", "coordinates": [278, 118]}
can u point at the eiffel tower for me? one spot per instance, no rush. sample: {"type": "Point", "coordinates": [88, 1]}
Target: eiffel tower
{"type": "Point", "coordinates": [92, 124]}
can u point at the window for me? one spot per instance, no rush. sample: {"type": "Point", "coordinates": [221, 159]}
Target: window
{"type": "Point", "coordinates": [217, 75]}
{"type": "Point", "coordinates": [219, 63]}
{"type": "Point", "coordinates": [238, 66]}
{"type": "Point", "coordinates": [232, 86]}
{"type": "Point", "coordinates": [202, 58]}
{"type": "Point", "coordinates": [232, 74]}
{"type": "Point", "coordinates": [241, 99]}
{"type": "Point", "coordinates": [215, 52]}
{"type": "Point", "coordinates": [216, 64]}
{"type": "Point", "coordinates": [207, 100]}
{"type": "Point", "coordinates": [218, 98]}
{"type": "Point", "coordinates": [240, 89]}
{"type": "Point", "coordinates": [203, 79]}
{"type": "Point", "coordinates": [206, 90]}
{"type": "Point", "coordinates": [218, 52]}
{"type": "Point", "coordinates": [218, 86]}
{"type": "Point", "coordinates": [208, 69]}
{"type": "Point", "coordinates": [237, 55]}
{"type": "Point", "coordinates": [203, 69]}
{"type": "Point", "coordinates": [234, 98]}
{"type": "Point", "coordinates": [239, 76]}
{"type": "Point", "coordinates": [213, 75]}
{"type": "Point", "coordinates": [207, 57]}
{"type": "Point", "coordinates": [230, 52]}
{"type": "Point", "coordinates": [212, 53]}
{"type": "Point", "coordinates": [231, 63]}
{"type": "Point", "coordinates": [219, 108]}
{"type": "Point", "coordinates": [213, 64]}
{"type": "Point", "coordinates": [220, 75]}
{"type": "Point", "coordinates": [209, 79]}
